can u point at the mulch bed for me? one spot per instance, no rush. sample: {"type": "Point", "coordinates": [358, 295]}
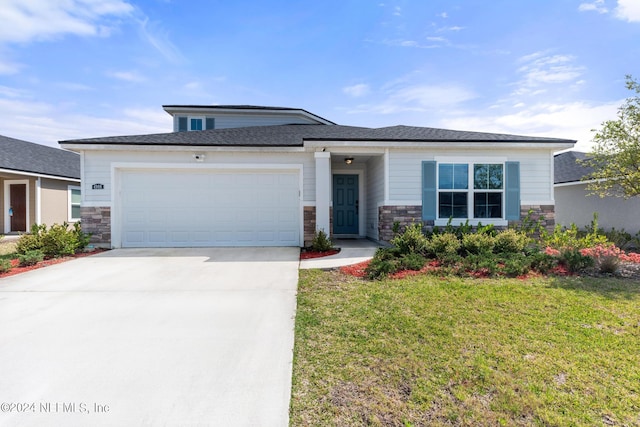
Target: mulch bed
{"type": "Point", "coordinates": [309, 254]}
{"type": "Point", "coordinates": [17, 269]}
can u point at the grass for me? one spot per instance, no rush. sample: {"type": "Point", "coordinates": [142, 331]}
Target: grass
{"type": "Point", "coordinates": [450, 351]}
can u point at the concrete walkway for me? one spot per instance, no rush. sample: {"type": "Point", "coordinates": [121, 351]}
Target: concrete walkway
{"type": "Point", "coordinates": [150, 337]}
{"type": "Point", "coordinates": [352, 251]}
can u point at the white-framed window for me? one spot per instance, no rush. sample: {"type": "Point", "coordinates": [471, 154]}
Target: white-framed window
{"type": "Point", "coordinates": [470, 190]}
{"type": "Point", "coordinates": [191, 123]}
{"type": "Point", "coordinates": [483, 190]}
{"type": "Point", "coordinates": [74, 198]}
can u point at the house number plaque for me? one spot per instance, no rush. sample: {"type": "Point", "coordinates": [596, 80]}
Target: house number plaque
{"type": "Point", "coordinates": [97, 187]}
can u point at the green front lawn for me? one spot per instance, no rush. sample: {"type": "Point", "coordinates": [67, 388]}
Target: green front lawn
{"type": "Point", "coordinates": [450, 351]}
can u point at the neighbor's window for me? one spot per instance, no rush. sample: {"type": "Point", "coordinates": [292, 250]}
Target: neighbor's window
{"type": "Point", "coordinates": [74, 203]}
{"type": "Point", "coordinates": [472, 196]}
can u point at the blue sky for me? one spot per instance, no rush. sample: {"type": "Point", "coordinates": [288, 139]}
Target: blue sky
{"type": "Point", "coordinates": [87, 68]}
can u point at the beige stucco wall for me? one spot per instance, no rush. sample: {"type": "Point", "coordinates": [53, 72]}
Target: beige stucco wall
{"type": "Point", "coordinates": [574, 206]}
{"type": "Point", "coordinates": [55, 201]}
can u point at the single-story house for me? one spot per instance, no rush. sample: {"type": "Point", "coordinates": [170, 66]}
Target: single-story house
{"type": "Point", "coordinates": [244, 175]}
{"type": "Point", "coordinates": [575, 205]}
{"type": "Point", "coordinates": [38, 185]}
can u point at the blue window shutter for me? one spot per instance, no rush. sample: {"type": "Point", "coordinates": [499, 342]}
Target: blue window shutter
{"type": "Point", "coordinates": [211, 123]}
{"type": "Point", "coordinates": [512, 193]}
{"type": "Point", "coordinates": [182, 124]}
{"type": "Point", "coordinates": [429, 193]}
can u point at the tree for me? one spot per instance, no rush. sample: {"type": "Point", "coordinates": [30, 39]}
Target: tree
{"type": "Point", "coordinates": [615, 157]}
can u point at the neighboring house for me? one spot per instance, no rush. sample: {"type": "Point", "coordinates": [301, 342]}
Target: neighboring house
{"type": "Point", "coordinates": [38, 185]}
{"type": "Point", "coordinates": [575, 205]}
{"type": "Point", "coordinates": [270, 176]}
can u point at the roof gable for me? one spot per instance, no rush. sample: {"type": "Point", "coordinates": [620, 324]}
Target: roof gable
{"type": "Point", "coordinates": [24, 156]}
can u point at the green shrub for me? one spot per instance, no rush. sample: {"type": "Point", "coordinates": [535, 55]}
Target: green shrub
{"type": "Point", "coordinates": [321, 242]}
{"type": "Point", "coordinates": [412, 240]}
{"type": "Point", "coordinates": [531, 225]}
{"type": "Point", "coordinates": [412, 261]}
{"type": "Point", "coordinates": [478, 243]}
{"type": "Point", "coordinates": [444, 247]}
{"type": "Point", "coordinates": [542, 262]}
{"type": "Point", "coordinates": [574, 260]}
{"type": "Point", "coordinates": [484, 263]}
{"type": "Point", "coordinates": [384, 262]}
{"type": "Point", "coordinates": [32, 241]}
{"type": "Point", "coordinates": [56, 241]}
{"type": "Point", "coordinates": [516, 264]}
{"type": "Point", "coordinates": [31, 257]}
{"type": "Point", "coordinates": [511, 241]}
{"type": "Point", "coordinates": [5, 265]}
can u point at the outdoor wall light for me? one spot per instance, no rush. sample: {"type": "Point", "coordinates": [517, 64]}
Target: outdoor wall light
{"type": "Point", "coordinates": [348, 160]}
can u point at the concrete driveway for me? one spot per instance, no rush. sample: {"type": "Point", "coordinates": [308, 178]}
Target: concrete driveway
{"type": "Point", "coordinates": [189, 337]}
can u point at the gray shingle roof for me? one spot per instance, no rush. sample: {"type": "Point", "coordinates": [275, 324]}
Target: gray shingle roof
{"type": "Point", "coordinates": [295, 135]}
{"type": "Point", "coordinates": [567, 168]}
{"type": "Point", "coordinates": [24, 156]}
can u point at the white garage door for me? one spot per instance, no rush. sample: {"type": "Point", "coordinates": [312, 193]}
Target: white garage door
{"type": "Point", "coordinates": [209, 208]}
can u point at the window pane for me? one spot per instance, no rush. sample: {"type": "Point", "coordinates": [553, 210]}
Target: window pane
{"type": "Point", "coordinates": [487, 177]}
{"type": "Point", "coordinates": [445, 176]}
{"type": "Point", "coordinates": [453, 176]}
{"type": "Point", "coordinates": [452, 205]}
{"type": "Point", "coordinates": [196, 124]}
{"type": "Point", "coordinates": [75, 212]}
{"type": "Point", "coordinates": [75, 197]}
{"type": "Point", "coordinates": [461, 177]}
{"type": "Point", "coordinates": [487, 205]}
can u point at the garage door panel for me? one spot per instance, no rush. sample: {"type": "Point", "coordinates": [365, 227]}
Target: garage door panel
{"type": "Point", "coordinates": [210, 208]}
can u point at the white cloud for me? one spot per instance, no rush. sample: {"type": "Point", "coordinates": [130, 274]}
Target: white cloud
{"type": "Point", "coordinates": [444, 15]}
{"type": "Point", "coordinates": [47, 124]}
{"type": "Point", "coordinates": [539, 70]}
{"type": "Point", "coordinates": [596, 6]}
{"type": "Point", "coordinates": [357, 90]}
{"type": "Point", "coordinates": [417, 98]}
{"type": "Point", "coordinates": [8, 67]}
{"type": "Point", "coordinates": [28, 20]}
{"type": "Point", "coordinates": [628, 10]}
{"type": "Point", "coordinates": [573, 120]}
{"type": "Point", "coordinates": [127, 76]}
{"type": "Point", "coordinates": [160, 41]}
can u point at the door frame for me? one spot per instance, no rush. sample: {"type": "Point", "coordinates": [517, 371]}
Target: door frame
{"type": "Point", "coordinates": [362, 197]}
{"type": "Point", "coordinates": [7, 201]}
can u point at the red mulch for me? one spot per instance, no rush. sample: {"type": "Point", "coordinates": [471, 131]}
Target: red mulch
{"type": "Point", "coordinates": [16, 269]}
{"type": "Point", "coordinates": [311, 254]}
{"type": "Point", "coordinates": [356, 270]}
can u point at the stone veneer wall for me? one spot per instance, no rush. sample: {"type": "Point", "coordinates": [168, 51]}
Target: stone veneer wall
{"type": "Point", "coordinates": [406, 215]}
{"type": "Point", "coordinates": [309, 227]}
{"type": "Point", "coordinates": [97, 221]}
{"type": "Point", "coordinates": [546, 214]}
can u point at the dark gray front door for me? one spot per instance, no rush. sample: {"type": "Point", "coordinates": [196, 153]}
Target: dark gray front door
{"type": "Point", "coordinates": [345, 204]}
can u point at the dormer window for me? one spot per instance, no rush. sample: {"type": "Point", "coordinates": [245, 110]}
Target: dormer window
{"type": "Point", "coordinates": [187, 123]}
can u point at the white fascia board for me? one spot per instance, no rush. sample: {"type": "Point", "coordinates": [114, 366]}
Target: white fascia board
{"type": "Point", "coordinates": [440, 144]}
{"type": "Point", "coordinates": [572, 183]}
{"type": "Point", "coordinates": [189, 148]}
{"type": "Point", "coordinates": [38, 175]}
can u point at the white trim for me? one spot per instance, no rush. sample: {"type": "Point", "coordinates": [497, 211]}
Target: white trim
{"type": "Point", "coordinates": [387, 162]}
{"type": "Point", "coordinates": [39, 200]}
{"type": "Point", "coordinates": [485, 221]}
{"type": "Point", "coordinates": [38, 175]}
{"type": "Point", "coordinates": [536, 202]}
{"type": "Point", "coordinates": [567, 184]}
{"type": "Point", "coordinates": [7, 198]}
{"type": "Point", "coordinates": [69, 201]}
{"type": "Point", "coordinates": [308, 203]}
{"type": "Point", "coordinates": [403, 203]}
{"type": "Point", "coordinates": [470, 160]}
{"type": "Point", "coordinates": [362, 197]}
{"type": "Point", "coordinates": [96, 204]}
{"type": "Point", "coordinates": [118, 167]}
{"type": "Point", "coordinates": [428, 145]}
{"type": "Point", "coordinates": [181, 148]}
